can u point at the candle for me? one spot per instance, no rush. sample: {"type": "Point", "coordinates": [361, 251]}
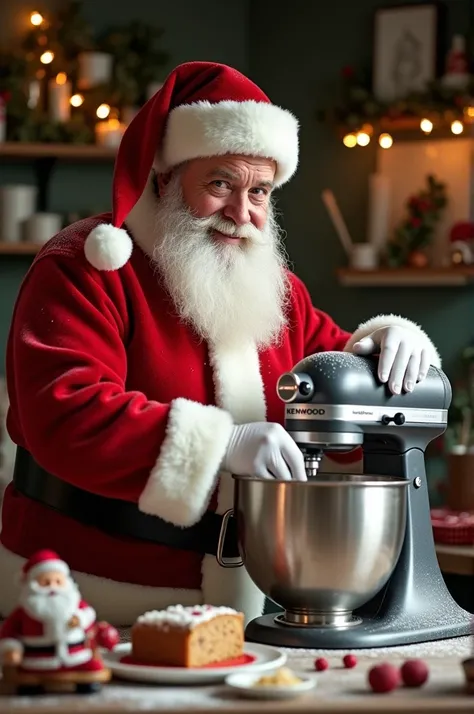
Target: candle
{"type": "Point", "coordinates": [59, 95]}
{"type": "Point", "coordinates": [109, 133]}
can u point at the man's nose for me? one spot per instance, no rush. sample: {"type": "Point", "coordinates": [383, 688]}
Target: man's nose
{"type": "Point", "coordinates": [237, 210]}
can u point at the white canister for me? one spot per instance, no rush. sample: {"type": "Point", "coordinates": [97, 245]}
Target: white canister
{"type": "Point", "coordinates": [17, 204]}
{"type": "Point", "coordinates": [40, 227]}
{"type": "Point", "coordinates": [95, 68]}
{"type": "Point", "coordinates": [364, 256]}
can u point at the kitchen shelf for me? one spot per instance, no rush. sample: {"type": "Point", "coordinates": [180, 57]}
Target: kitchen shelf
{"type": "Point", "coordinates": [78, 152]}
{"type": "Point", "coordinates": [19, 248]}
{"type": "Point", "coordinates": [406, 277]}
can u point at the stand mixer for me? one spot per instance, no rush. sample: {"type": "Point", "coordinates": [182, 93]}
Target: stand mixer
{"type": "Point", "coordinates": [387, 588]}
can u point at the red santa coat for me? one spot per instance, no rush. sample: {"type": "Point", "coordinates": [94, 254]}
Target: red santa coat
{"type": "Point", "coordinates": [40, 652]}
{"type": "Point", "coordinates": [110, 392]}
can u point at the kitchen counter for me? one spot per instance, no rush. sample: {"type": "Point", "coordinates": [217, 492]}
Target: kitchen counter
{"type": "Point", "coordinates": [338, 690]}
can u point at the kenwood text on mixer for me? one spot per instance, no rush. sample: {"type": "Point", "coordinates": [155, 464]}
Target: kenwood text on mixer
{"type": "Point", "coordinates": [350, 557]}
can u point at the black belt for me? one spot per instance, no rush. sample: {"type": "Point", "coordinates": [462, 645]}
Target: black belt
{"type": "Point", "coordinates": [120, 518]}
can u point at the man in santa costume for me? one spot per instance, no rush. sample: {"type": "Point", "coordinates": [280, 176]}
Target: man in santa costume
{"type": "Point", "coordinates": [145, 349]}
{"type": "Point", "coordinates": [49, 631]}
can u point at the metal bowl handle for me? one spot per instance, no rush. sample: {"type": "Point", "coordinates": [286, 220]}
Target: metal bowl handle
{"type": "Point", "coordinates": [232, 562]}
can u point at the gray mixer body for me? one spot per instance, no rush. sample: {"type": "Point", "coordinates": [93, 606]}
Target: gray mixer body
{"type": "Point", "coordinates": [334, 401]}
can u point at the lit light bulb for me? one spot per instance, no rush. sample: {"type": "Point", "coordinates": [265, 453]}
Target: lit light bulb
{"type": "Point", "coordinates": [61, 78]}
{"type": "Point", "coordinates": [469, 112]}
{"type": "Point", "coordinates": [426, 126]}
{"type": "Point", "coordinates": [103, 111]}
{"type": "Point", "coordinates": [385, 141]}
{"type": "Point", "coordinates": [350, 140]}
{"type": "Point", "coordinates": [76, 100]}
{"type": "Point", "coordinates": [368, 129]}
{"type": "Point", "coordinates": [362, 138]}
{"type": "Point", "coordinates": [457, 127]}
{"type": "Point", "coordinates": [47, 57]}
{"type": "Point", "coordinates": [36, 19]}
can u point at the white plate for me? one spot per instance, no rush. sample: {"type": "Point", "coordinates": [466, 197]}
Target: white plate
{"type": "Point", "coordinates": [266, 659]}
{"type": "Point", "coordinates": [244, 685]}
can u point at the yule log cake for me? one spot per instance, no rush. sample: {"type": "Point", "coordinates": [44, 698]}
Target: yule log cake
{"type": "Point", "coordinates": [188, 636]}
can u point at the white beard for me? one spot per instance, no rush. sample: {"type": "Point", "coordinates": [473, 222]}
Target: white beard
{"type": "Point", "coordinates": [54, 611]}
{"type": "Point", "coordinates": [228, 293]}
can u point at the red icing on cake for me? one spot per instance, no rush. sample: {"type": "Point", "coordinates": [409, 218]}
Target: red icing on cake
{"type": "Point", "coordinates": [245, 659]}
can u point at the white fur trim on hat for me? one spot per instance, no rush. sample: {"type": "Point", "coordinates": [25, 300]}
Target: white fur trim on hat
{"type": "Point", "coordinates": [47, 566]}
{"type": "Point", "coordinates": [108, 247]}
{"type": "Point", "coordinates": [247, 128]}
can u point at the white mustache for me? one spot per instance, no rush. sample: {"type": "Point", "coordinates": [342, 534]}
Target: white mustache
{"type": "Point", "coordinates": [228, 228]}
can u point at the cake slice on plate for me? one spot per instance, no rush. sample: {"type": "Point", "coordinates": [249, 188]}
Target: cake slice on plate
{"type": "Point", "coordinates": [188, 636]}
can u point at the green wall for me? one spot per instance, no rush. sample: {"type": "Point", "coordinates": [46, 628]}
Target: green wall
{"type": "Point", "coordinates": [296, 55]}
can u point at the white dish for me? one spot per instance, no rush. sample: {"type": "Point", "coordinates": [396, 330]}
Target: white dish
{"type": "Point", "coordinates": [244, 685]}
{"type": "Point", "coordinates": [266, 659]}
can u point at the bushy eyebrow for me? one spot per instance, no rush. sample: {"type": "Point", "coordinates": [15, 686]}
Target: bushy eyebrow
{"type": "Point", "coordinates": [229, 176]}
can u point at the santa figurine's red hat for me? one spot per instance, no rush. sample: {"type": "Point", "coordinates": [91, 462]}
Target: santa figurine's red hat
{"type": "Point", "coordinates": [43, 561]}
{"type": "Point", "coordinates": [203, 109]}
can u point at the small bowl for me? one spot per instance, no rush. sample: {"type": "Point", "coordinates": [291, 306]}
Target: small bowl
{"type": "Point", "coordinates": [468, 667]}
{"type": "Point", "coordinates": [244, 684]}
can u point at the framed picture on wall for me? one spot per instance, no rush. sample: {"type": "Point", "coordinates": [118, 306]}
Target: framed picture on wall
{"type": "Point", "coordinates": [406, 51]}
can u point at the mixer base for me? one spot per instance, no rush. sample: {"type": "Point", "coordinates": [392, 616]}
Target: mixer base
{"type": "Point", "coordinates": [375, 632]}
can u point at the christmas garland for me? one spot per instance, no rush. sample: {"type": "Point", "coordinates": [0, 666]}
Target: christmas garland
{"type": "Point", "coordinates": [357, 106]}
{"type": "Point", "coordinates": [137, 62]}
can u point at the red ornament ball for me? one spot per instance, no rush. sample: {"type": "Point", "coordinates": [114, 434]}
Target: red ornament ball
{"type": "Point", "coordinates": [107, 636]}
{"type": "Point", "coordinates": [350, 661]}
{"type": "Point", "coordinates": [414, 673]}
{"type": "Point", "coordinates": [321, 664]}
{"type": "Point", "coordinates": [384, 678]}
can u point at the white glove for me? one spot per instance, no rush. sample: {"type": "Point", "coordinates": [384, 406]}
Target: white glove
{"type": "Point", "coordinates": [264, 450]}
{"type": "Point", "coordinates": [404, 359]}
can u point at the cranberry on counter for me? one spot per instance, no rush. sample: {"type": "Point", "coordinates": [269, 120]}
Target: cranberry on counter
{"type": "Point", "coordinates": [350, 661]}
{"type": "Point", "coordinates": [384, 678]}
{"type": "Point", "coordinates": [414, 672]}
{"type": "Point", "coordinates": [321, 664]}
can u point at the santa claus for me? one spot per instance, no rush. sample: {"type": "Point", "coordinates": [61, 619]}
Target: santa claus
{"type": "Point", "coordinates": [145, 349]}
{"type": "Point", "coordinates": [52, 629]}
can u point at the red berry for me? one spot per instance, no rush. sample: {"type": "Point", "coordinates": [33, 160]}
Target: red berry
{"type": "Point", "coordinates": [414, 672]}
{"type": "Point", "coordinates": [321, 664]}
{"type": "Point", "coordinates": [350, 661]}
{"type": "Point", "coordinates": [384, 678]}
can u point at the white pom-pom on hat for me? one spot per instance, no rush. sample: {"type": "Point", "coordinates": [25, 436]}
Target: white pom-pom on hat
{"type": "Point", "coordinates": [108, 247]}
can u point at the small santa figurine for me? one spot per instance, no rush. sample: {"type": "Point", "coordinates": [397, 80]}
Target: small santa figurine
{"type": "Point", "coordinates": [53, 631]}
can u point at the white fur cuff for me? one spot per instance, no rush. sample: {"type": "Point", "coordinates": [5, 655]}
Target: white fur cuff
{"type": "Point", "coordinates": [87, 617]}
{"type": "Point", "coordinates": [186, 472]}
{"type": "Point", "coordinates": [8, 644]}
{"type": "Point", "coordinates": [375, 323]}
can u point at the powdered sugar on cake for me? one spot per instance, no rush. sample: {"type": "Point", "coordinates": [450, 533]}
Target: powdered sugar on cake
{"type": "Point", "coordinates": [183, 617]}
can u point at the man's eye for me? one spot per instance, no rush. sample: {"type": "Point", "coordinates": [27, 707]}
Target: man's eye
{"type": "Point", "coordinates": [220, 184]}
{"type": "Point", "coordinates": [260, 191]}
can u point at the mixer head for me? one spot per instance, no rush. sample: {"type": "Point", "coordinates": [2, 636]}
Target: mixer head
{"type": "Point", "coordinates": [334, 400]}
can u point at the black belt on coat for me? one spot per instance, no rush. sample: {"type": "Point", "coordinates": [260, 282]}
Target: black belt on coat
{"type": "Point", "coordinates": [117, 517]}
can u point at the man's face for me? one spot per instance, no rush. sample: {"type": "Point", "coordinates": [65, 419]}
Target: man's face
{"type": "Point", "coordinates": [218, 249]}
{"type": "Point", "coordinates": [235, 187]}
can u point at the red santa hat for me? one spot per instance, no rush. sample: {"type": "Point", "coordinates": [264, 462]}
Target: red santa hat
{"type": "Point", "coordinates": [44, 561]}
{"type": "Point", "coordinates": [203, 109]}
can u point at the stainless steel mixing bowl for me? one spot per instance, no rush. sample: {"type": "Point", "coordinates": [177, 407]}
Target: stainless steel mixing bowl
{"type": "Point", "coordinates": [322, 548]}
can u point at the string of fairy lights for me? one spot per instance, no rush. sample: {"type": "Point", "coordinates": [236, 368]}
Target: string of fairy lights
{"type": "Point", "coordinates": [364, 136]}
{"type": "Point", "coordinates": [47, 57]}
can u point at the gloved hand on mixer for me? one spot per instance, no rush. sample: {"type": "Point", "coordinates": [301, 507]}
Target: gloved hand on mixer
{"type": "Point", "coordinates": [266, 450]}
